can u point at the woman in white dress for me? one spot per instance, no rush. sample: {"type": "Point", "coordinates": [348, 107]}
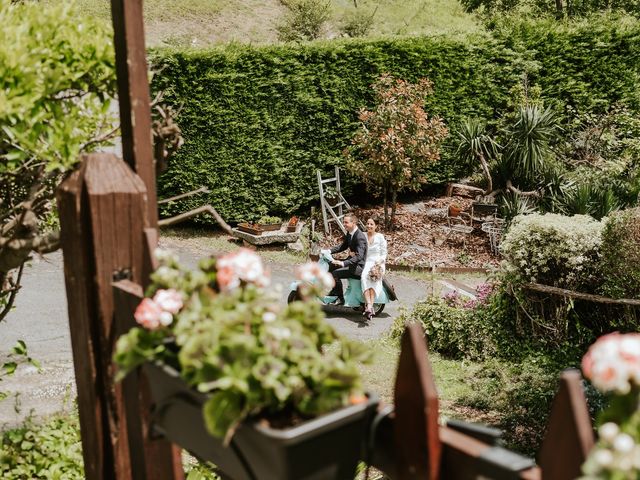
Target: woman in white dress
{"type": "Point", "coordinates": [376, 254]}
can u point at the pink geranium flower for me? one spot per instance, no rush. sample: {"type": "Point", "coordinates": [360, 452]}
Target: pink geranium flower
{"type": "Point", "coordinates": [311, 272]}
{"type": "Point", "coordinates": [243, 265]}
{"type": "Point", "coordinates": [148, 314]}
{"type": "Point", "coordinates": [169, 300]}
{"type": "Point", "coordinates": [613, 362]}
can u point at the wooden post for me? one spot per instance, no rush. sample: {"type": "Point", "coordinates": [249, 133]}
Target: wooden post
{"type": "Point", "coordinates": [103, 215]}
{"type": "Point", "coordinates": [133, 96]}
{"type": "Point", "coordinates": [569, 436]}
{"type": "Point", "coordinates": [416, 431]}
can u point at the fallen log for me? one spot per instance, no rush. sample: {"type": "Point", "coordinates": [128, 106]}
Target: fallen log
{"type": "Point", "coordinates": [538, 287]}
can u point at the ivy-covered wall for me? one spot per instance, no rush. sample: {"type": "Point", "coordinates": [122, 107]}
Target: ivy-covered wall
{"type": "Point", "coordinates": [259, 121]}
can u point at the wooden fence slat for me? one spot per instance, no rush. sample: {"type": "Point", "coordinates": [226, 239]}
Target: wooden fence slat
{"type": "Point", "coordinates": [103, 215]}
{"type": "Point", "coordinates": [467, 458]}
{"type": "Point", "coordinates": [151, 458]}
{"type": "Point", "coordinates": [569, 436]}
{"type": "Point", "coordinates": [416, 431]}
{"type": "Point", "coordinates": [127, 295]}
{"type": "Point", "coordinates": [99, 203]}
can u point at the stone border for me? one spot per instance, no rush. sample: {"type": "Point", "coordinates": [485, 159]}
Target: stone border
{"type": "Point", "coordinates": [417, 268]}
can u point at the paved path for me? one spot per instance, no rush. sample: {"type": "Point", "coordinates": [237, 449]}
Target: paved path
{"type": "Point", "coordinates": [40, 318]}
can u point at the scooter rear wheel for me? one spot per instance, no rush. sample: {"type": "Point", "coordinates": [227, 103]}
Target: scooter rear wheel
{"type": "Point", "coordinates": [293, 296]}
{"type": "Point", "coordinates": [378, 308]}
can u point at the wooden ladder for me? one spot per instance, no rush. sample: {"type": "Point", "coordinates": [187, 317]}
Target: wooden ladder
{"type": "Point", "coordinates": [332, 213]}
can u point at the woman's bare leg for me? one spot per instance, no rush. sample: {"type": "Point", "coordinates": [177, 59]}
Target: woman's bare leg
{"type": "Point", "coordinates": [369, 297]}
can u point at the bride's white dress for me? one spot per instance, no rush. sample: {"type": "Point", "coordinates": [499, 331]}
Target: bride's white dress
{"type": "Point", "coordinates": [376, 253]}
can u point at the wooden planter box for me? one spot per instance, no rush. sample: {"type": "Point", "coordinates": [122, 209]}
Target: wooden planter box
{"type": "Point", "coordinates": [270, 227]}
{"type": "Point", "coordinates": [325, 448]}
{"type": "Point", "coordinates": [252, 229]}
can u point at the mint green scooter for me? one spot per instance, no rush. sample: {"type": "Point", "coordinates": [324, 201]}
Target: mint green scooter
{"type": "Point", "coordinates": [353, 297]}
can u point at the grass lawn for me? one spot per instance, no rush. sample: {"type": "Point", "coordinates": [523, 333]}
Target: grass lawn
{"type": "Point", "coordinates": [452, 378]}
{"type": "Point", "coordinates": [206, 22]}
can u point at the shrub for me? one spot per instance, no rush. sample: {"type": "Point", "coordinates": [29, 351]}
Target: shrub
{"type": "Point", "coordinates": [452, 330]}
{"type": "Point", "coordinates": [304, 19]}
{"type": "Point", "coordinates": [518, 395]}
{"type": "Point", "coordinates": [357, 22]}
{"type": "Point", "coordinates": [620, 252]}
{"type": "Point", "coordinates": [552, 249]}
{"type": "Point", "coordinates": [566, 252]}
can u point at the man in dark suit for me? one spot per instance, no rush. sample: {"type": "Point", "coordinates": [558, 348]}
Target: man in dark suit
{"type": "Point", "coordinates": [356, 242]}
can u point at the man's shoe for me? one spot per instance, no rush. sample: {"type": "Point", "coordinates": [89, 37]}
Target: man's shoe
{"type": "Point", "coordinates": [337, 302]}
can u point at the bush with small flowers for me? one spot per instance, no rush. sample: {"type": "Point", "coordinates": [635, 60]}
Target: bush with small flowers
{"type": "Point", "coordinates": [228, 335]}
{"type": "Point", "coordinates": [613, 366]}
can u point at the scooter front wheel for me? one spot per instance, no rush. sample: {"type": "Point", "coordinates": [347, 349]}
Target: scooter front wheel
{"type": "Point", "coordinates": [378, 308]}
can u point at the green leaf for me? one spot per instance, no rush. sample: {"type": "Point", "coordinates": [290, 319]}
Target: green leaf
{"type": "Point", "coordinates": [10, 367]}
{"type": "Point", "coordinates": [20, 348]}
{"type": "Point", "coordinates": [222, 412]}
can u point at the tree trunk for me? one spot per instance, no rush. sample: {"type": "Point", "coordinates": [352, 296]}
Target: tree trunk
{"type": "Point", "coordinates": [512, 188]}
{"type": "Point", "coordinates": [386, 207]}
{"type": "Point", "coordinates": [394, 197]}
{"type": "Point", "coordinates": [487, 173]}
{"type": "Point", "coordinates": [559, 14]}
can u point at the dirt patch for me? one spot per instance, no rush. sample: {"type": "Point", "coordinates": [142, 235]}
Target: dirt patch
{"type": "Point", "coordinates": [242, 21]}
{"type": "Point", "coordinates": [418, 238]}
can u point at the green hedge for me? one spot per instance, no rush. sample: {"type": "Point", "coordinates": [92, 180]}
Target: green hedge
{"type": "Point", "coordinates": [258, 121]}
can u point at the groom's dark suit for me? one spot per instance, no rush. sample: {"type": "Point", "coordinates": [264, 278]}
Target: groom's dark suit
{"type": "Point", "coordinates": [353, 265]}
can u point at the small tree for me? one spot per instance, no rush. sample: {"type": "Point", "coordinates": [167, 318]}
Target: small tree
{"type": "Point", "coordinates": [57, 76]}
{"type": "Point", "coordinates": [396, 141]}
{"type": "Point", "coordinates": [476, 144]}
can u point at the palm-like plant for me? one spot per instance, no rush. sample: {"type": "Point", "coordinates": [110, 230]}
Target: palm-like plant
{"type": "Point", "coordinates": [476, 145]}
{"type": "Point", "coordinates": [588, 199]}
{"type": "Point", "coordinates": [529, 141]}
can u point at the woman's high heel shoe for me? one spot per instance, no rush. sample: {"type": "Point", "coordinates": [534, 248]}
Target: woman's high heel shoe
{"type": "Point", "coordinates": [369, 313]}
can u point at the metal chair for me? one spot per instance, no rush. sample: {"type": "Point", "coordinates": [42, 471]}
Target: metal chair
{"type": "Point", "coordinates": [460, 224]}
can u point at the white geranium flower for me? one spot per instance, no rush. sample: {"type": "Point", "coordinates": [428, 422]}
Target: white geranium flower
{"type": "Point", "coordinates": [608, 431]}
{"type": "Point", "coordinates": [280, 333]}
{"type": "Point", "coordinates": [604, 458]}
{"type": "Point", "coordinates": [623, 443]}
{"type": "Point", "coordinates": [268, 317]}
{"type": "Point", "coordinates": [165, 319]}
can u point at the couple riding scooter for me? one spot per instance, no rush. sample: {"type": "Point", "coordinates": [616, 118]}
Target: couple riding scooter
{"type": "Point", "coordinates": [351, 269]}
